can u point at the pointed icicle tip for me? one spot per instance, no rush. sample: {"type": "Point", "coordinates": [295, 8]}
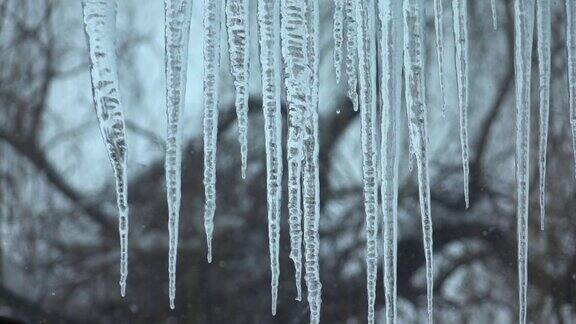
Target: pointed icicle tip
{"type": "Point", "coordinates": [298, 293]}
{"type": "Point", "coordinates": [172, 306]}
{"type": "Point", "coordinates": [123, 289]}
{"type": "Point", "coordinates": [274, 300]}
{"type": "Point", "coordinates": [209, 254]}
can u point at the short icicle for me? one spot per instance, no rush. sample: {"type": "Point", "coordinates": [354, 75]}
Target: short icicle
{"type": "Point", "coordinates": [177, 29]}
{"type": "Point", "coordinates": [543, 37]}
{"type": "Point", "coordinates": [391, 93]}
{"type": "Point", "coordinates": [311, 169]}
{"type": "Point", "coordinates": [523, 26]}
{"type": "Point", "coordinates": [237, 25]}
{"type": "Point", "coordinates": [368, 101]}
{"type": "Point", "coordinates": [461, 39]}
{"type": "Point", "coordinates": [212, 31]}
{"type": "Point", "coordinates": [269, 33]}
{"type": "Point", "coordinates": [100, 28]}
{"type": "Point", "coordinates": [414, 67]}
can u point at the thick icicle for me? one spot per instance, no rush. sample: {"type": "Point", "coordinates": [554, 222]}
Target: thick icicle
{"type": "Point", "coordinates": [269, 33]}
{"type": "Point", "coordinates": [523, 25]}
{"type": "Point", "coordinates": [338, 32]}
{"type": "Point", "coordinates": [571, 44]}
{"type": "Point", "coordinates": [391, 92]}
{"type": "Point", "coordinates": [212, 32]}
{"type": "Point", "coordinates": [351, 51]}
{"type": "Point", "coordinates": [438, 27]}
{"type": "Point", "coordinates": [297, 74]}
{"type": "Point", "coordinates": [414, 67]}
{"type": "Point", "coordinates": [543, 28]}
{"type": "Point", "coordinates": [100, 28]}
{"type": "Point", "coordinates": [461, 39]}
{"type": "Point", "coordinates": [494, 14]}
{"type": "Point", "coordinates": [237, 24]}
{"type": "Point", "coordinates": [177, 30]}
{"type": "Point", "coordinates": [368, 99]}
{"type": "Point", "coordinates": [311, 172]}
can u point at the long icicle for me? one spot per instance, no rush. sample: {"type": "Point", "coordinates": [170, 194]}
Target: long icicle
{"type": "Point", "coordinates": [338, 32]}
{"type": "Point", "coordinates": [414, 67]}
{"type": "Point", "coordinates": [543, 30]}
{"type": "Point", "coordinates": [523, 26]}
{"type": "Point", "coordinates": [100, 28]}
{"type": "Point", "coordinates": [212, 32]}
{"type": "Point", "coordinates": [494, 14]}
{"type": "Point", "coordinates": [237, 25]}
{"type": "Point", "coordinates": [351, 51]}
{"type": "Point", "coordinates": [571, 46]}
{"type": "Point", "coordinates": [461, 39]}
{"type": "Point", "coordinates": [391, 93]}
{"type": "Point", "coordinates": [438, 27]}
{"type": "Point", "coordinates": [269, 33]}
{"type": "Point", "coordinates": [311, 170]}
{"type": "Point", "coordinates": [297, 73]}
{"type": "Point", "coordinates": [177, 31]}
{"type": "Point", "coordinates": [368, 99]}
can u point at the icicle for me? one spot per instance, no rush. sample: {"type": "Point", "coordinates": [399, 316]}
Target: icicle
{"type": "Point", "coordinates": [177, 29]}
{"type": "Point", "coordinates": [571, 44]}
{"type": "Point", "coordinates": [212, 31]}
{"type": "Point", "coordinates": [237, 23]}
{"type": "Point", "coordinates": [100, 28]}
{"type": "Point", "coordinates": [523, 25]}
{"type": "Point", "coordinates": [351, 51]}
{"type": "Point", "coordinates": [298, 74]}
{"type": "Point", "coordinates": [391, 92]}
{"type": "Point", "coordinates": [494, 14]}
{"type": "Point", "coordinates": [461, 40]}
{"type": "Point", "coordinates": [311, 172]}
{"type": "Point", "coordinates": [311, 189]}
{"type": "Point", "coordinates": [414, 61]}
{"type": "Point", "coordinates": [438, 13]}
{"type": "Point", "coordinates": [338, 32]}
{"type": "Point", "coordinates": [543, 27]}
{"type": "Point", "coordinates": [368, 84]}
{"type": "Point", "coordinates": [269, 33]}
{"type": "Point", "coordinates": [410, 153]}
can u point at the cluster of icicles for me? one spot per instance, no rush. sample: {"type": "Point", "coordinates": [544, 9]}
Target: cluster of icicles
{"type": "Point", "coordinates": [288, 32]}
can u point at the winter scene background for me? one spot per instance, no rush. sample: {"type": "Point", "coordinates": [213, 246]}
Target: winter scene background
{"type": "Point", "coordinates": [60, 249]}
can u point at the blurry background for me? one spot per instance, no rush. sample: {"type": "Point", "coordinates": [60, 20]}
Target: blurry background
{"type": "Point", "coordinates": [59, 251]}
